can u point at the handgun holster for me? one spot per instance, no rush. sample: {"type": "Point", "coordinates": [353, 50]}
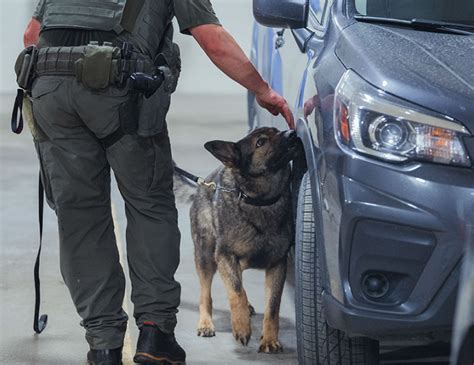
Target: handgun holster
{"type": "Point", "coordinates": [25, 67]}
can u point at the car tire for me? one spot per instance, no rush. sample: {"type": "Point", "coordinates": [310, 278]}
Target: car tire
{"type": "Point", "coordinates": [318, 343]}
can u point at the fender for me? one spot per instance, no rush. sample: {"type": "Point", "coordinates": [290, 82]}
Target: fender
{"type": "Point", "coordinates": [313, 157]}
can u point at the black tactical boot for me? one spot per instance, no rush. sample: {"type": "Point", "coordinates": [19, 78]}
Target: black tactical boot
{"type": "Point", "coordinates": [156, 347]}
{"type": "Point", "coordinates": [105, 357]}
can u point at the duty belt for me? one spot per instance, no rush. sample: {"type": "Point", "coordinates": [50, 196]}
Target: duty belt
{"type": "Point", "coordinates": [95, 66]}
{"type": "Point", "coordinates": [65, 61]}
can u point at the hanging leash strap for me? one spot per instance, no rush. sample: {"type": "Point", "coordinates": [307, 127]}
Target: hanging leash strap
{"type": "Point", "coordinates": [40, 322]}
{"type": "Point", "coordinates": [17, 114]}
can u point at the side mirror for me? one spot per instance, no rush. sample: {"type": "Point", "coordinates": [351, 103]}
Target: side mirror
{"type": "Point", "coordinates": [281, 13]}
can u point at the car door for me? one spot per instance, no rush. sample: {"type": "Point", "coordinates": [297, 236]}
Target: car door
{"type": "Point", "coordinates": [266, 55]}
{"type": "Point", "coordinates": [285, 64]}
{"type": "Point", "coordinates": [306, 97]}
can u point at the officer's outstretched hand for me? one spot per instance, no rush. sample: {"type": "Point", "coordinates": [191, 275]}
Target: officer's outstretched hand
{"type": "Point", "coordinates": [224, 51]}
{"type": "Point", "coordinates": [275, 104]}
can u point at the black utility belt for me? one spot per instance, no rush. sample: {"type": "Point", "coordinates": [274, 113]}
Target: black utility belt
{"type": "Point", "coordinates": [96, 67]}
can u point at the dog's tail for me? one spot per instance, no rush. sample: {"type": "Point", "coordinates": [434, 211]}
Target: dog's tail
{"type": "Point", "coordinates": [184, 190]}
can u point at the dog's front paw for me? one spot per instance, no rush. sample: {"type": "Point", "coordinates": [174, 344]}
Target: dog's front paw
{"type": "Point", "coordinates": [242, 337]}
{"type": "Point", "coordinates": [206, 329]}
{"type": "Point", "coordinates": [242, 330]}
{"type": "Point", "coordinates": [270, 346]}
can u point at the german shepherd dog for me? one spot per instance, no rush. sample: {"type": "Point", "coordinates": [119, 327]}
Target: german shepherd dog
{"type": "Point", "coordinates": [245, 223]}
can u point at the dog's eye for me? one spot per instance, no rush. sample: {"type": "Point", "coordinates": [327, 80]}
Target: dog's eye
{"type": "Point", "coordinates": [261, 142]}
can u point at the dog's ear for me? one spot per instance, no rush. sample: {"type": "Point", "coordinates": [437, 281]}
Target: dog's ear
{"type": "Point", "coordinates": [227, 152]}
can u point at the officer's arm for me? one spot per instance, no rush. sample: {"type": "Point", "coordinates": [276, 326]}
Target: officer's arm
{"type": "Point", "coordinates": [32, 32]}
{"type": "Point", "coordinates": [224, 51]}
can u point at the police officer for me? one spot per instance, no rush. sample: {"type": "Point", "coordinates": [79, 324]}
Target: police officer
{"type": "Point", "coordinates": [88, 122]}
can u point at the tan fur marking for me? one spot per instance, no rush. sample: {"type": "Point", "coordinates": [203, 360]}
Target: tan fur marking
{"type": "Point", "coordinates": [274, 282]}
{"type": "Point", "coordinates": [231, 274]}
{"type": "Point", "coordinates": [240, 315]}
{"type": "Point", "coordinates": [205, 325]}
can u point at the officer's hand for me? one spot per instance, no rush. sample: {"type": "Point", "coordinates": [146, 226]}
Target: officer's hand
{"type": "Point", "coordinates": [32, 32]}
{"type": "Point", "coordinates": [275, 104]}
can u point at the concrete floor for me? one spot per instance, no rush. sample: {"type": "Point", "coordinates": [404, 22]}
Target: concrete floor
{"type": "Point", "coordinates": [192, 122]}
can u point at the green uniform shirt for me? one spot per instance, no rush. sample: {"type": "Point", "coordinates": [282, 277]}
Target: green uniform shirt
{"type": "Point", "coordinates": [189, 13]}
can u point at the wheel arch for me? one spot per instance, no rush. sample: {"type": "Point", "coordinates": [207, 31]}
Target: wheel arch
{"type": "Point", "coordinates": [313, 158]}
{"type": "Point", "coordinates": [312, 155]}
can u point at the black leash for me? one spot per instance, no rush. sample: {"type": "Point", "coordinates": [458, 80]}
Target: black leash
{"type": "Point", "coordinates": [40, 322]}
{"type": "Point", "coordinates": [257, 202]}
{"type": "Point", "coordinates": [187, 175]}
{"type": "Point", "coordinates": [196, 179]}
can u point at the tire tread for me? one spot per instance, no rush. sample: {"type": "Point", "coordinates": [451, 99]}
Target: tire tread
{"type": "Point", "coordinates": [318, 343]}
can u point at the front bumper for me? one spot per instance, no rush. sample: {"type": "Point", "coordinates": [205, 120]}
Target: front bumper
{"type": "Point", "coordinates": [435, 323]}
{"type": "Point", "coordinates": [404, 223]}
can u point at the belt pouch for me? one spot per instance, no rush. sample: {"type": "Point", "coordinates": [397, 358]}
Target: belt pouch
{"type": "Point", "coordinates": [97, 69]}
{"type": "Point", "coordinates": [152, 115]}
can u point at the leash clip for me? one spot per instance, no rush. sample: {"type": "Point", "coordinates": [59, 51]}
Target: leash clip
{"type": "Point", "coordinates": [211, 185]}
{"type": "Point", "coordinates": [242, 196]}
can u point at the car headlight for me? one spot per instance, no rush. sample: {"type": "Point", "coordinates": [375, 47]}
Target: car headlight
{"type": "Point", "coordinates": [374, 123]}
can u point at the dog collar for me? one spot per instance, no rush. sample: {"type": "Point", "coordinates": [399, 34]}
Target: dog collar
{"type": "Point", "coordinates": [257, 201]}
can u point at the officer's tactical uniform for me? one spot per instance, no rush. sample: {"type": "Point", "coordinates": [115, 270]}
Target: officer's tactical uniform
{"type": "Point", "coordinates": [88, 121]}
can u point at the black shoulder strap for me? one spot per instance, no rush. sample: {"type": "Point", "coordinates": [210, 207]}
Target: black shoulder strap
{"type": "Point", "coordinates": [40, 322]}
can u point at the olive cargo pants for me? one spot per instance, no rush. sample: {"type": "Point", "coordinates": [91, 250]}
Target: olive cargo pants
{"type": "Point", "coordinates": [75, 167]}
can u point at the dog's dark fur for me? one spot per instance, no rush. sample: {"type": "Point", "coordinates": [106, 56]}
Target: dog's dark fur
{"type": "Point", "coordinates": [231, 236]}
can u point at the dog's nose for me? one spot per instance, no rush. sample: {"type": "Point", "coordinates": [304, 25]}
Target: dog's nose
{"type": "Point", "coordinates": [290, 135]}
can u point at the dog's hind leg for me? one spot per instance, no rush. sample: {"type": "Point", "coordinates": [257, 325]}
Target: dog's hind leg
{"type": "Point", "coordinates": [206, 268]}
{"type": "Point", "coordinates": [274, 283]}
{"type": "Point", "coordinates": [231, 274]}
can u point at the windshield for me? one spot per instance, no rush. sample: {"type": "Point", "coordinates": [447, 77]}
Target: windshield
{"type": "Point", "coordinates": [451, 11]}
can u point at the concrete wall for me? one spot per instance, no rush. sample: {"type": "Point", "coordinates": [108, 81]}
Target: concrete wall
{"type": "Point", "coordinates": [14, 16]}
{"type": "Point", "coordinates": [199, 74]}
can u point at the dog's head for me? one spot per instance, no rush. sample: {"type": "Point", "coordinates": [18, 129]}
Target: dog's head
{"type": "Point", "coordinates": [264, 151]}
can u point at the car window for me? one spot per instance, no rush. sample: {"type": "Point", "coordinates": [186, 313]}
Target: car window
{"type": "Point", "coordinates": [453, 11]}
{"type": "Point", "coordinates": [317, 8]}
{"type": "Point", "coordinates": [361, 6]}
